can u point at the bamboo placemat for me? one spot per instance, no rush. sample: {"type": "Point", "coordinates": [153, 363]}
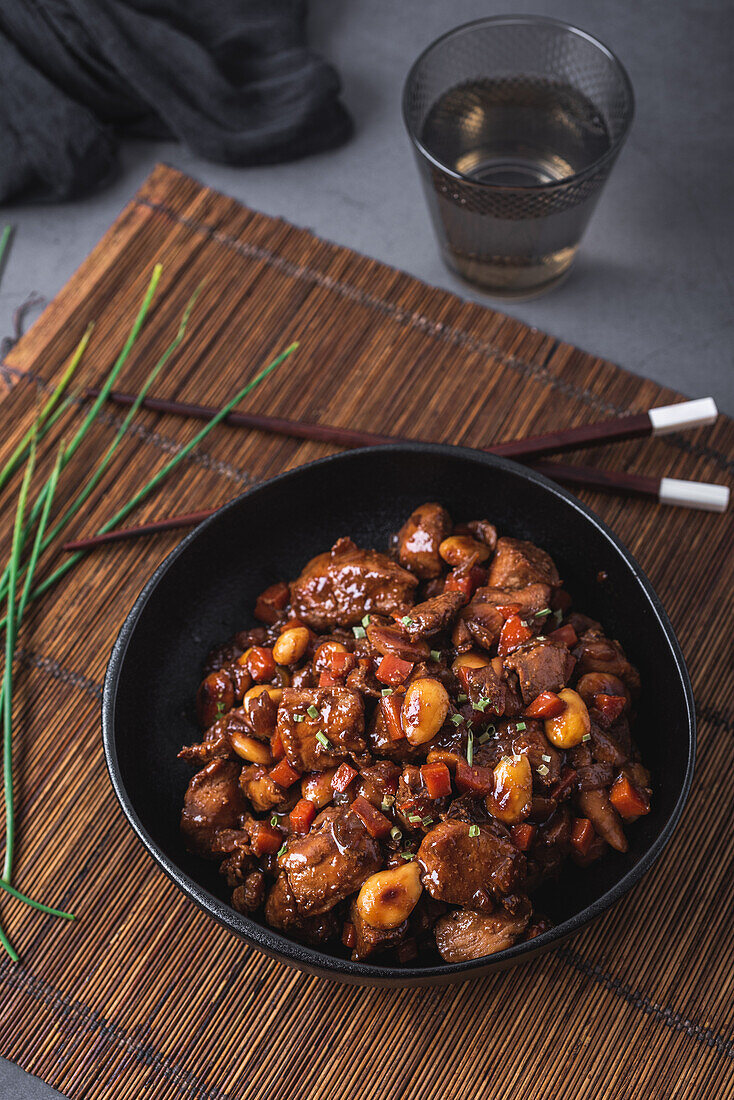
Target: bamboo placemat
{"type": "Point", "coordinates": [144, 995]}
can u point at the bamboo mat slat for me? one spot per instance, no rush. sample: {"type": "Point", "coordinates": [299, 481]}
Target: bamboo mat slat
{"type": "Point", "coordinates": [144, 995]}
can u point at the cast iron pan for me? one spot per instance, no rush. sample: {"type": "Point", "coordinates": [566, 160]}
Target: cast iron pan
{"type": "Point", "coordinates": [206, 588]}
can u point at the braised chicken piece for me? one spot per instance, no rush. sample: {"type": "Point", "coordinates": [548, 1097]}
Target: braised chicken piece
{"type": "Point", "coordinates": [330, 862]}
{"type": "Point", "coordinates": [411, 743]}
{"type": "Point", "coordinates": [464, 934]}
{"type": "Point", "coordinates": [419, 539]}
{"type": "Point", "coordinates": [342, 586]}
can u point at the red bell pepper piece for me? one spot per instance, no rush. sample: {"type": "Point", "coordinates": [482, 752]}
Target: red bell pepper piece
{"type": "Point", "coordinates": [507, 610]}
{"type": "Point", "coordinates": [523, 835]}
{"type": "Point", "coordinates": [328, 679]}
{"type": "Point", "coordinates": [560, 789]}
{"type": "Point", "coordinates": [582, 835]}
{"type": "Point", "coordinates": [390, 706]}
{"type": "Point", "coordinates": [376, 824]}
{"type": "Point", "coordinates": [611, 706]}
{"type": "Point", "coordinates": [513, 633]}
{"type": "Point", "coordinates": [342, 777]}
{"type": "Point", "coordinates": [271, 602]}
{"type": "Point", "coordinates": [475, 779]}
{"type": "Point", "coordinates": [437, 780]}
{"type": "Point", "coordinates": [265, 839]}
{"type": "Point", "coordinates": [393, 670]}
{"type": "Point", "coordinates": [342, 662]}
{"type": "Point", "coordinates": [276, 747]}
{"type": "Point", "coordinates": [545, 705]}
{"type": "Point", "coordinates": [260, 664]}
{"type": "Point", "coordinates": [302, 815]}
{"type": "Point", "coordinates": [628, 801]}
{"type": "Point", "coordinates": [565, 635]}
{"type": "Point", "coordinates": [466, 581]}
{"type": "Point", "coordinates": [283, 774]}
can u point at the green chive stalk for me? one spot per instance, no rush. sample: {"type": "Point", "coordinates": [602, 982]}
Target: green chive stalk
{"type": "Point", "coordinates": [34, 905]}
{"type": "Point", "coordinates": [163, 473]}
{"type": "Point", "coordinates": [45, 419]}
{"type": "Point", "coordinates": [10, 631]}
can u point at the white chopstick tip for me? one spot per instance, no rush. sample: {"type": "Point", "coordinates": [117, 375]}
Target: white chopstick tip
{"type": "Point", "coordinates": [688, 414]}
{"type": "Point", "coordinates": [694, 494]}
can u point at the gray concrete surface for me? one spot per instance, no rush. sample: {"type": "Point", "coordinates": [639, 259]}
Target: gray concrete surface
{"type": "Point", "coordinates": [652, 289]}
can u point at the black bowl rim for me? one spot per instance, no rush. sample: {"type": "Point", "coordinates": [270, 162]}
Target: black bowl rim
{"type": "Point", "coordinates": [323, 963]}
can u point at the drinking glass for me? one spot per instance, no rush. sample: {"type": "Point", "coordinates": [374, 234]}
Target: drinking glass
{"type": "Point", "coordinates": [516, 122]}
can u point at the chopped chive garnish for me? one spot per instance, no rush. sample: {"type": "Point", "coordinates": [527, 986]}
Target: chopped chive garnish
{"type": "Point", "coordinates": [395, 833]}
{"type": "Point", "coordinates": [366, 620]}
{"type": "Point", "coordinates": [558, 615]}
{"type": "Point", "coordinates": [427, 821]}
{"type": "Point", "coordinates": [462, 698]}
{"type": "Point", "coordinates": [491, 729]}
{"type": "Point", "coordinates": [312, 711]}
{"type": "Point", "coordinates": [274, 820]}
{"type": "Point", "coordinates": [543, 613]}
{"type": "Point", "coordinates": [481, 704]}
{"type": "Point", "coordinates": [323, 739]}
{"type": "Point", "coordinates": [415, 818]}
{"type": "Point", "coordinates": [520, 726]}
{"type": "Point", "coordinates": [386, 692]}
{"type": "Point", "coordinates": [541, 638]}
{"type": "Point", "coordinates": [299, 717]}
{"type": "Point", "coordinates": [473, 830]}
{"type": "Point", "coordinates": [406, 620]}
{"type": "Point", "coordinates": [470, 748]}
{"type": "Point", "coordinates": [456, 719]}
{"type": "Point", "coordinates": [586, 737]}
{"type": "Point", "coordinates": [408, 855]}
{"type": "Point", "coordinates": [359, 632]}
{"type": "Point", "coordinates": [436, 654]}
{"type": "Point", "coordinates": [387, 802]}
{"type": "Point", "coordinates": [282, 848]}
{"type": "Point", "coordinates": [483, 738]}
{"type": "Point", "coordinates": [542, 770]}
{"type": "Point", "coordinates": [221, 709]}
{"type": "Point", "coordinates": [546, 757]}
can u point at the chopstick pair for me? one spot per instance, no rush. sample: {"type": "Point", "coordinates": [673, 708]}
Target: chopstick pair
{"type": "Point", "coordinates": [659, 421]}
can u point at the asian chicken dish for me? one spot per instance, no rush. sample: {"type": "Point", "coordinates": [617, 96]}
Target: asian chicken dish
{"type": "Point", "coordinates": [411, 743]}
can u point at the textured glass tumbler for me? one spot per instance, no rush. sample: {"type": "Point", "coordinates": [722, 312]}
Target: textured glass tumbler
{"type": "Point", "coordinates": [516, 122]}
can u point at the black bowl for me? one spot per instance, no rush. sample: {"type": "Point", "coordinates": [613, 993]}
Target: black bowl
{"type": "Point", "coordinates": [205, 590]}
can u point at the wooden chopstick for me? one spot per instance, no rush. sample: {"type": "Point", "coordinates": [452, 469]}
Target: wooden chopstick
{"type": "Point", "coordinates": [667, 418]}
{"type": "Point", "coordinates": [691, 494]}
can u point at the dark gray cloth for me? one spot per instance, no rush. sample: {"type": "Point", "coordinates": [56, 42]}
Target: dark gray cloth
{"type": "Point", "coordinates": [232, 79]}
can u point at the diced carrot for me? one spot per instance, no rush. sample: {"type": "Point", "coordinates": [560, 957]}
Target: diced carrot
{"type": "Point", "coordinates": [328, 679]}
{"type": "Point", "coordinates": [393, 670]}
{"type": "Point", "coordinates": [265, 839]}
{"type": "Point", "coordinates": [611, 706]}
{"type": "Point", "coordinates": [582, 835]}
{"type": "Point", "coordinates": [565, 784]}
{"type": "Point", "coordinates": [342, 777]}
{"type": "Point", "coordinates": [276, 747]}
{"type": "Point", "coordinates": [507, 610]}
{"type": "Point", "coordinates": [390, 706]}
{"type": "Point", "coordinates": [475, 779]}
{"type": "Point", "coordinates": [342, 662]}
{"type": "Point", "coordinates": [523, 835]}
{"type": "Point", "coordinates": [628, 800]}
{"type": "Point", "coordinates": [283, 774]}
{"type": "Point", "coordinates": [565, 635]}
{"type": "Point", "coordinates": [302, 815]}
{"type": "Point", "coordinates": [376, 824]}
{"type": "Point", "coordinates": [289, 624]}
{"type": "Point", "coordinates": [260, 664]}
{"type": "Point", "coordinates": [437, 780]}
{"type": "Point", "coordinates": [466, 581]}
{"type": "Point", "coordinates": [545, 705]}
{"type": "Point", "coordinates": [349, 935]}
{"type": "Point", "coordinates": [271, 602]}
{"type": "Point", "coordinates": [513, 633]}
